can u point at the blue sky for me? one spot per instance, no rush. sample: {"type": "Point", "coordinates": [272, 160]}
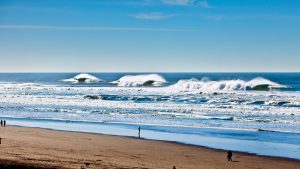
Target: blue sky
{"type": "Point", "coordinates": [149, 35]}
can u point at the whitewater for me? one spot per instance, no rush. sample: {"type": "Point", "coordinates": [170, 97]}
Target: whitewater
{"type": "Point", "coordinates": [188, 104]}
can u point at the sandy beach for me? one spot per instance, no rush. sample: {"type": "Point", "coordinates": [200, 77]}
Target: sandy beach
{"type": "Point", "coordinates": [42, 148]}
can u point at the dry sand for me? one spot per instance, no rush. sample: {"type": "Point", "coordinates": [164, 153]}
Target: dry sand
{"type": "Point", "coordinates": [42, 148]}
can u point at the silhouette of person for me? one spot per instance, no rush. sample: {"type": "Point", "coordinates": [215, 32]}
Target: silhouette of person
{"type": "Point", "coordinates": [4, 123]}
{"type": "Point", "coordinates": [229, 156]}
{"type": "Point", "coordinates": [1, 123]}
{"type": "Point", "coordinates": [139, 132]}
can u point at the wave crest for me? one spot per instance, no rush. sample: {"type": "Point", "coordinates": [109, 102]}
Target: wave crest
{"type": "Point", "coordinates": [140, 80]}
{"type": "Point", "coordinates": [82, 78]}
{"type": "Point", "coordinates": [258, 83]}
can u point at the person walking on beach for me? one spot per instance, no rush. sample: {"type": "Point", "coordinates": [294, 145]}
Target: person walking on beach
{"type": "Point", "coordinates": [139, 132]}
{"type": "Point", "coordinates": [1, 123]}
{"type": "Point", "coordinates": [229, 156]}
{"type": "Point", "coordinates": [4, 123]}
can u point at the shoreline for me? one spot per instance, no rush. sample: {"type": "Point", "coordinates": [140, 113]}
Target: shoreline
{"type": "Point", "coordinates": [150, 125]}
{"type": "Point", "coordinates": [252, 142]}
{"type": "Point", "coordinates": [117, 151]}
{"type": "Point", "coordinates": [164, 141]}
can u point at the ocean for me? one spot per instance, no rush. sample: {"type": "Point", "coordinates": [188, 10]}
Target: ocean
{"type": "Point", "coordinates": [250, 112]}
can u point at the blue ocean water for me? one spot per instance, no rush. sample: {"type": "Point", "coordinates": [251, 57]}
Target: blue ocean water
{"type": "Point", "coordinates": [290, 79]}
{"type": "Point", "coordinates": [243, 111]}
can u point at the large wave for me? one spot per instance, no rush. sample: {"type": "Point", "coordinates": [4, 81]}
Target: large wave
{"type": "Point", "coordinates": [140, 80]}
{"type": "Point", "coordinates": [258, 83]}
{"type": "Point", "coordinates": [83, 78]}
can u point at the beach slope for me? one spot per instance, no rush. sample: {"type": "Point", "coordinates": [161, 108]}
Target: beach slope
{"type": "Point", "coordinates": [43, 148]}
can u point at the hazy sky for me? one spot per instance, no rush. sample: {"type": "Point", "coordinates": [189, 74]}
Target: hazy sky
{"type": "Point", "coordinates": [149, 35]}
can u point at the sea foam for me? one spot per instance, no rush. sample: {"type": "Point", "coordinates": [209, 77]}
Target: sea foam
{"type": "Point", "coordinates": [254, 84]}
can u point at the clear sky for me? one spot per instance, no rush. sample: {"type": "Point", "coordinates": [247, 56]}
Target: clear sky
{"type": "Point", "coordinates": [149, 35]}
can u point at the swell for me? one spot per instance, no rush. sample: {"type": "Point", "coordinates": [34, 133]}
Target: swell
{"type": "Point", "coordinates": [157, 80]}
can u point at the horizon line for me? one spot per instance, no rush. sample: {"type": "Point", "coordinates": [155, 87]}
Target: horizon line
{"type": "Point", "coordinates": [152, 72]}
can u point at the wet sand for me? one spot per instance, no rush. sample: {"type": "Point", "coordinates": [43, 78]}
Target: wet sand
{"type": "Point", "coordinates": [43, 148]}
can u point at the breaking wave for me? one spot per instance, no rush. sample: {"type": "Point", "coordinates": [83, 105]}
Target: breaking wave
{"type": "Point", "coordinates": [140, 80]}
{"type": "Point", "coordinates": [83, 78]}
{"type": "Point", "coordinates": [254, 84]}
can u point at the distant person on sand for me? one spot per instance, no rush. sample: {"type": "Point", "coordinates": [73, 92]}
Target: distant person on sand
{"type": "Point", "coordinates": [4, 123]}
{"type": "Point", "coordinates": [229, 155]}
{"type": "Point", "coordinates": [1, 123]}
{"type": "Point", "coordinates": [139, 132]}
